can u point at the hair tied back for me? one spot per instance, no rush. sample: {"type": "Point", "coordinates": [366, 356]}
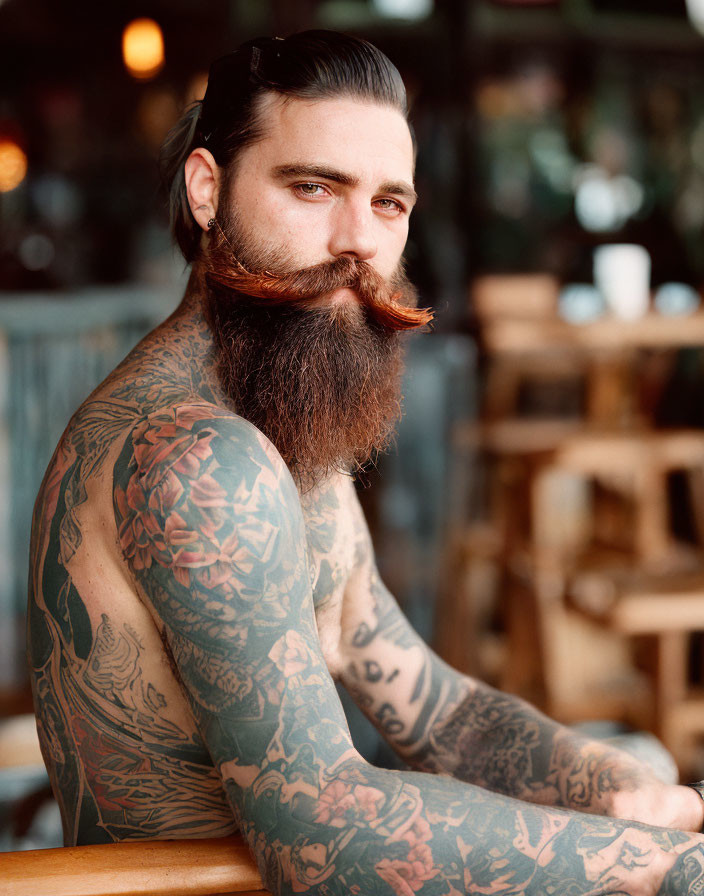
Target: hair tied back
{"type": "Point", "coordinates": [254, 60]}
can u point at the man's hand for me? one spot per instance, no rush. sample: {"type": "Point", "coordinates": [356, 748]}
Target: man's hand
{"type": "Point", "coordinates": [664, 805]}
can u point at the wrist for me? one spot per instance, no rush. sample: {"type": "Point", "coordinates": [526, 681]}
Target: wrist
{"type": "Point", "coordinates": [697, 787]}
{"type": "Point", "coordinates": [683, 809]}
{"type": "Point", "coordinates": [664, 805]}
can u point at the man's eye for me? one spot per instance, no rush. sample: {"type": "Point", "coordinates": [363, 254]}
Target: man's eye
{"type": "Point", "coordinates": [389, 205]}
{"type": "Point", "coordinates": [310, 189]}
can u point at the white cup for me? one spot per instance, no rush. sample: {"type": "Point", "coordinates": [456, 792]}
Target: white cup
{"type": "Point", "coordinates": [622, 276]}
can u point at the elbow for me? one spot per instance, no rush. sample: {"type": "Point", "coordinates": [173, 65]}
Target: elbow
{"type": "Point", "coordinates": [304, 837]}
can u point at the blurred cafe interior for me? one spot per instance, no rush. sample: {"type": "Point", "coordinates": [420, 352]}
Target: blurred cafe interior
{"type": "Point", "coordinates": [541, 515]}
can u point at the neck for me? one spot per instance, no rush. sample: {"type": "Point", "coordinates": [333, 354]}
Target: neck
{"type": "Point", "coordinates": [191, 304]}
{"type": "Point", "coordinates": [191, 338]}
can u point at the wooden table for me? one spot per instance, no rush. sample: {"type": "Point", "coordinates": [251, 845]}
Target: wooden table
{"type": "Point", "coordinates": [604, 350]}
{"type": "Point", "coordinates": [504, 334]}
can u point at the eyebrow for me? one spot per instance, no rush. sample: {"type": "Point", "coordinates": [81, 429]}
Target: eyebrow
{"type": "Point", "coordinates": [398, 188]}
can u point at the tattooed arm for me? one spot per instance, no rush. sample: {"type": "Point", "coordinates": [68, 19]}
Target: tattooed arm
{"type": "Point", "coordinates": [210, 523]}
{"type": "Point", "coordinates": [443, 722]}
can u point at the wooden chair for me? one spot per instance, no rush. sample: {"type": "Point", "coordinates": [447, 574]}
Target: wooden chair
{"type": "Point", "coordinates": [573, 667]}
{"type": "Point", "coordinates": [667, 610]}
{"type": "Point", "coordinates": [619, 580]}
{"type": "Point", "coordinates": [501, 300]}
{"type": "Point", "coordinates": [468, 633]}
{"type": "Point", "coordinates": [139, 868]}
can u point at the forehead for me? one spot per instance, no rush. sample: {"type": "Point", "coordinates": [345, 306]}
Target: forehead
{"type": "Point", "coordinates": [367, 139]}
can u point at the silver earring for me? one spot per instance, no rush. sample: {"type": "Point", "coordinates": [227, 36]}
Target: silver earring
{"type": "Point", "coordinates": [211, 223]}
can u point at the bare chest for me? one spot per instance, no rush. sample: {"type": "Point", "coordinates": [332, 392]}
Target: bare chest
{"type": "Point", "coordinates": [333, 545]}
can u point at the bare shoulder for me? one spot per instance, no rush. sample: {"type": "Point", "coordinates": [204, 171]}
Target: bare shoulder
{"type": "Point", "coordinates": [202, 447]}
{"type": "Point", "coordinates": [203, 500]}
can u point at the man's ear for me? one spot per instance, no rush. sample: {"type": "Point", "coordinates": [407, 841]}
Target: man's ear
{"type": "Point", "coordinates": [202, 176]}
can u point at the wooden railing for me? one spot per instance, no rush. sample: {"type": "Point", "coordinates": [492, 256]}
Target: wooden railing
{"type": "Point", "coordinates": [145, 868]}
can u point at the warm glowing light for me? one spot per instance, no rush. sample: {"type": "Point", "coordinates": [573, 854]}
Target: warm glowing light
{"type": "Point", "coordinates": [13, 165]}
{"type": "Point", "coordinates": [143, 48]}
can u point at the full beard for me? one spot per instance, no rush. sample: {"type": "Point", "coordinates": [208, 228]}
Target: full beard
{"type": "Point", "coordinates": [321, 381]}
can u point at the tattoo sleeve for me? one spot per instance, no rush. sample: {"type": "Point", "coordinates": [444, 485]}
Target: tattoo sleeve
{"type": "Point", "coordinates": [501, 742]}
{"type": "Point", "coordinates": [211, 525]}
{"type": "Point", "coordinates": [443, 722]}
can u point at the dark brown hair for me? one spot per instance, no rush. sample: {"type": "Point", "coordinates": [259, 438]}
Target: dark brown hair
{"type": "Point", "coordinates": [308, 65]}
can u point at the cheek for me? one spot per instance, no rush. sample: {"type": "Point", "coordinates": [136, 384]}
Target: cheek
{"type": "Point", "coordinates": [298, 229]}
{"type": "Point", "coordinates": [391, 247]}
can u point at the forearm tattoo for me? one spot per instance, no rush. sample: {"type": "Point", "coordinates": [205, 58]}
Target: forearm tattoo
{"type": "Point", "coordinates": [686, 876]}
{"type": "Point", "coordinates": [442, 722]}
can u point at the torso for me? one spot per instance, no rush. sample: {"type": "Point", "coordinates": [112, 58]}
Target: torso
{"type": "Point", "coordinates": [124, 754]}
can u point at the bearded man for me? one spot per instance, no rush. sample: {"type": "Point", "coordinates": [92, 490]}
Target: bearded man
{"type": "Point", "coordinates": [201, 570]}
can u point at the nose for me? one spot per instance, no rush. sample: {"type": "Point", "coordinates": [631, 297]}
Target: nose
{"type": "Point", "coordinates": [353, 232]}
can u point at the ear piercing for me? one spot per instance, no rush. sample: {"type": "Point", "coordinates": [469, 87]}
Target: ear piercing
{"type": "Point", "coordinates": [211, 223]}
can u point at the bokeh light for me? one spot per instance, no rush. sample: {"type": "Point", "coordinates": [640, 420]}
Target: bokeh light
{"type": "Point", "coordinates": [143, 48]}
{"type": "Point", "coordinates": [36, 252]}
{"type": "Point", "coordinates": [412, 10]}
{"type": "Point", "coordinates": [603, 202]}
{"type": "Point", "coordinates": [13, 165]}
{"type": "Point", "coordinates": [695, 10]}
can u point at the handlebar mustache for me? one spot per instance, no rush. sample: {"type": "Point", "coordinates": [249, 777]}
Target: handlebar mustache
{"type": "Point", "coordinates": [388, 305]}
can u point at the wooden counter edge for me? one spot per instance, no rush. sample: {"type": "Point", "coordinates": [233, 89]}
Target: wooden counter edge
{"type": "Point", "coordinates": [209, 867]}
